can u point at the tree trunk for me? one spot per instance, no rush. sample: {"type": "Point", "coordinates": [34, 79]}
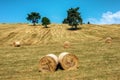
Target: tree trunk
{"type": "Point", "coordinates": [75, 26]}
{"type": "Point", "coordinates": [46, 26]}
{"type": "Point", "coordinates": [72, 26]}
{"type": "Point", "coordinates": [34, 24]}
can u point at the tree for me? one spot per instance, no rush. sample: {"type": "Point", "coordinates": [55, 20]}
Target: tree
{"type": "Point", "coordinates": [73, 17]}
{"type": "Point", "coordinates": [88, 22]}
{"type": "Point", "coordinates": [45, 21]}
{"type": "Point", "coordinates": [65, 21]}
{"type": "Point", "coordinates": [33, 17]}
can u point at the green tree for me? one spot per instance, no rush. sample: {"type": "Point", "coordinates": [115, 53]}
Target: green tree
{"type": "Point", "coordinates": [33, 17]}
{"type": "Point", "coordinates": [65, 21]}
{"type": "Point", "coordinates": [88, 22]}
{"type": "Point", "coordinates": [45, 21]}
{"type": "Point", "coordinates": [73, 17]}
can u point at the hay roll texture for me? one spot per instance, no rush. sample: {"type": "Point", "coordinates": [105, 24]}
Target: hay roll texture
{"type": "Point", "coordinates": [68, 61]}
{"type": "Point", "coordinates": [108, 40]}
{"type": "Point", "coordinates": [48, 63]}
{"type": "Point", "coordinates": [16, 44]}
{"type": "Point", "coordinates": [66, 44]}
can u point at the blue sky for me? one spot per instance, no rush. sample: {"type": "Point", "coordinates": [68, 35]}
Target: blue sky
{"type": "Point", "coordinates": [95, 11]}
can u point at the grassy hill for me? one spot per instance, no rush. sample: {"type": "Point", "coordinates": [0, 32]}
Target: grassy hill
{"type": "Point", "coordinates": [29, 35]}
{"type": "Point", "coordinates": [97, 60]}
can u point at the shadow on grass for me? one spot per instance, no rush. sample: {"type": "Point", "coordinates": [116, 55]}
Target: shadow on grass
{"type": "Point", "coordinates": [46, 27]}
{"type": "Point", "coordinates": [74, 29]}
{"type": "Point", "coordinates": [39, 26]}
{"type": "Point", "coordinates": [34, 25]}
{"type": "Point", "coordinates": [59, 67]}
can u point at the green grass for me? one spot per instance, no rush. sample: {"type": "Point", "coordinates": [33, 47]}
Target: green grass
{"type": "Point", "coordinates": [97, 60]}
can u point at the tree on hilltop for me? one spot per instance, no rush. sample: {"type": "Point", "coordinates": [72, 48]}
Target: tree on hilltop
{"type": "Point", "coordinates": [65, 21]}
{"type": "Point", "coordinates": [45, 21]}
{"type": "Point", "coordinates": [73, 18]}
{"type": "Point", "coordinates": [33, 17]}
{"type": "Point", "coordinates": [88, 22]}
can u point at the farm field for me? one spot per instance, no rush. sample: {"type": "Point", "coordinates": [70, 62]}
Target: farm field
{"type": "Point", "coordinates": [97, 60]}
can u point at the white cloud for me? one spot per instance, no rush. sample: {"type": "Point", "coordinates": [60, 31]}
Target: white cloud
{"type": "Point", "coordinates": [107, 18]}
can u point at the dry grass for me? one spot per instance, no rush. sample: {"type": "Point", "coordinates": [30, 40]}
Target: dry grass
{"type": "Point", "coordinates": [97, 60]}
{"type": "Point", "coordinates": [29, 35]}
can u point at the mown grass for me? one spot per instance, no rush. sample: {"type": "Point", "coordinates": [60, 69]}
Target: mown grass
{"type": "Point", "coordinates": [97, 60]}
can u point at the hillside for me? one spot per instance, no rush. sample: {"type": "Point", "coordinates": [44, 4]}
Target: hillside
{"type": "Point", "coordinates": [97, 60]}
{"type": "Point", "coordinates": [35, 35]}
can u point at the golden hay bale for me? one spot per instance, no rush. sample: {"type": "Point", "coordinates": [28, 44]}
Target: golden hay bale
{"type": "Point", "coordinates": [66, 44]}
{"type": "Point", "coordinates": [48, 63]}
{"type": "Point", "coordinates": [16, 44]}
{"type": "Point", "coordinates": [108, 40]}
{"type": "Point", "coordinates": [68, 61]}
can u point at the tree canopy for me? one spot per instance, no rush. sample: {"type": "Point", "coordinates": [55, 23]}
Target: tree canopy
{"type": "Point", "coordinates": [45, 21]}
{"type": "Point", "coordinates": [33, 17]}
{"type": "Point", "coordinates": [73, 17]}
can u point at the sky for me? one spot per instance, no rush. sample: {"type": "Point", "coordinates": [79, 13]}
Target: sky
{"type": "Point", "coordinates": [94, 11]}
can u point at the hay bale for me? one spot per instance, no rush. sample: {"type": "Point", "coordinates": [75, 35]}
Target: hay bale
{"type": "Point", "coordinates": [68, 61]}
{"type": "Point", "coordinates": [108, 40]}
{"type": "Point", "coordinates": [16, 44]}
{"type": "Point", "coordinates": [48, 63]}
{"type": "Point", "coordinates": [66, 44]}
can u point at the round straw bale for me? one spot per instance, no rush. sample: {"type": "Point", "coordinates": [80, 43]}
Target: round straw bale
{"type": "Point", "coordinates": [68, 61]}
{"type": "Point", "coordinates": [108, 40]}
{"type": "Point", "coordinates": [16, 44]}
{"type": "Point", "coordinates": [48, 63]}
{"type": "Point", "coordinates": [66, 44]}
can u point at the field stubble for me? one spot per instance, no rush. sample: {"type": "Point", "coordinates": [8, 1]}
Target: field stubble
{"type": "Point", "coordinates": [97, 60]}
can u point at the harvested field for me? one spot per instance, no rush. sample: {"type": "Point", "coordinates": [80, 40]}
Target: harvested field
{"type": "Point", "coordinates": [97, 60]}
